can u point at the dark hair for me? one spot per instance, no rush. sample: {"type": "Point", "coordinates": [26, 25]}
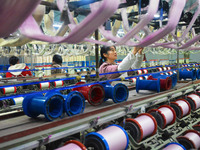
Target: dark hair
{"type": "Point", "coordinates": [13, 60]}
{"type": "Point", "coordinates": [57, 59]}
{"type": "Point", "coordinates": [104, 49]}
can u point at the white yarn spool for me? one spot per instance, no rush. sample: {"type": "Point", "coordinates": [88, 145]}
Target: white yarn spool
{"type": "Point", "coordinates": [139, 72]}
{"type": "Point", "coordinates": [195, 103]}
{"type": "Point", "coordinates": [166, 112]}
{"type": "Point", "coordinates": [160, 69]}
{"type": "Point", "coordinates": [44, 85]}
{"type": "Point", "coordinates": [58, 83]}
{"type": "Point", "coordinates": [164, 68]}
{"type": "Point", "coordinates": [168, 68]}
{"type": "Point", "coordinates": [113, 137]}
{"type": "Point", "coordinates": [146, 124]}
{"type": "Point", "coordinates": [134, 80]}
{"type": "Point", "coordinates": [145, 71]}
{"type": "Point", "coordinates": [18, 100]}
{"type": "Point", "coordinates": [72, 145]}
{"type": "Point", "coordinates": [174, 146]}
{"type": "Point", "coordinates": [191, 139]}
{"type": "Point", "coordinates": [8, 90]}
{"type": "Point", "coordinates": [183, 106]}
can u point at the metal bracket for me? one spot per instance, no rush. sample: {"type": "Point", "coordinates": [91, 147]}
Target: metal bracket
{"type": "Point", "coordinates": [44, 140]}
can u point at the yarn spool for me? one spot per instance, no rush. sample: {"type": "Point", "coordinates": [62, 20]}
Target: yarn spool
{"type": "Point", "coordinates": [164, 115]}
{"type": "Point", "coordinates": [139, 72]}
{"type": "Point", "coordinates": [74, 103]}
{"type": "Point", "coordinates": [153, 85]}
{"type": "Point", "coordinates": [72, 145]}
{"type": "Point", "coordinates": [51, 105]}
{"type": "Point", "coordinates": [191, 139]}
{"type": "Point", "coordinates": [117, 93]}
{"type": "Point", "coordinates": [58, 83]}
{"type": "Point", "coordinates": [142, 126]}
{"type": "Point", "coordinates": [168, 68]}
{"type": "Point", "coordinates": [181, 107]}
{"type": "Point", "coordinates": [194, 101]}
{"type": "Point", "coordinates": [9, 90]}
{"type": "Point", "coordinates": [18, 100]}
{"type": "Point", "coordinates": [160, 69]}
{"type": "Point", "coordinates": [165, 84]}
{"type": "Point", "coordinates": [111, 138]}
{"type": "Point", "coordinates": [145, 71]}
{"type": "Point", "coordinates": [45, 85]}
{"type": "Point", "coordinates": [174, 146]}
{"type": "Point", "coordinates": [95, 94]}
{"type": "Point", "coordinates": [197, 127]}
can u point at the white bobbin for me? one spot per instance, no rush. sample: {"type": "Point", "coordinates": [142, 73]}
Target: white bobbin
{"type": "Point", "coordinates": [194, 101]}
{"type": "Point", "coordinates": [142, 126]}
{"type": "Point", "coordinates": [9, 90]}
{"type": "Point", "coordinates": [181, 107]}
{"type": "Point", "coordinates": [44, 85]}
{"type": "Point", "coordinates": [191, 139]}
{"type": "Point", "coordinates": [58, 83]}
{"type": "Point", "coordinates": [164, 115]}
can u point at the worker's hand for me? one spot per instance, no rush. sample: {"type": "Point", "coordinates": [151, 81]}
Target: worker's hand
{"type": "Point", "coordinates": [137, 49]}
{"type": "Point", "coordinates": [140, 50]}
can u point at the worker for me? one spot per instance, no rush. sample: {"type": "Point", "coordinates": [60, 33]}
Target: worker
{"type": "Point", "coordinates": [56, 63]}
{"type": "Point", "coordinates": [15, 65]}
{"type": "Point", "coordinates": [107, 62]}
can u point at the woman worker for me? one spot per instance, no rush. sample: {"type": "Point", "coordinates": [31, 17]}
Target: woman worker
{"type": "Point", "coordinates": [107, 62]}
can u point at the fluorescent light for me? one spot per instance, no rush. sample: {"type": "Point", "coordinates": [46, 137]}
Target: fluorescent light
{"type": "Point", "coordinates": [56, 25]}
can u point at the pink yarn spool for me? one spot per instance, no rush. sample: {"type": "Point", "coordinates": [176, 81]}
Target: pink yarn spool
{"type": "Point", "coordinates": [194, 101]}
{"type": "Point", "coordinates": [181, 107]}
{"type": "Point", "coordinates": [164, 115]}
{"type": "Point", "coordinates": [111, 138]}
{"type": "Point", "coordinates": [73, 145]}
{"type": "Point", "coordinates": [191, 139]}
{"type": "Point", "coordinates": [142, 126]}
{"type": "Point", "coordinates": [174, 146]}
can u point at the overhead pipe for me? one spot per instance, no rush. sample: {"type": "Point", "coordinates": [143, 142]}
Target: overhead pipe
{"type": "Point", "coordinates": [165, 84]}
{"type": "Point", "coordinates": [95, 94]}
{"type": "Point", "coordinates": [111, 138]}
{"type": "Point", "coordinates": [118, 93]}
{"type": "Point", "coordinates": [190, 139]}
{"type": "Point", "coordinates": [181, 107]}
{"type": "Point", "coordinates": [72, 145]}
{"type": "Point", "coordinates": [50, 105]}
{"type": "Point", "coordinates": [153, 85]}
{"type": "Point", "coordinates": [142, 126]}
{"type": "Point", "coordinates": [164, 115]}
{"type": "Point", "coordinates": [174, 146]}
